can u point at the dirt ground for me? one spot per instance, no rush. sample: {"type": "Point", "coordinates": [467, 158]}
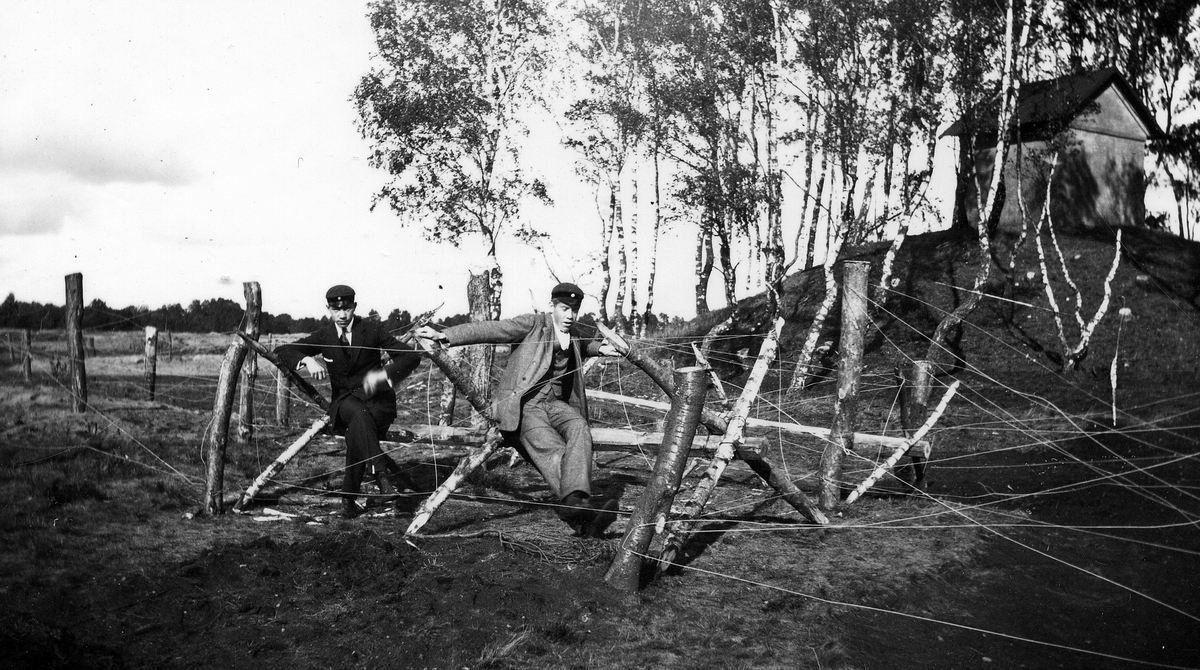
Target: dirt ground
{"type": "Point", "coordinates": [1048, 538]}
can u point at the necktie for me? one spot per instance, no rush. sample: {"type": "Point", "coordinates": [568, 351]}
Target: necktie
{"type": "Point", "coordinates": [345, 338]}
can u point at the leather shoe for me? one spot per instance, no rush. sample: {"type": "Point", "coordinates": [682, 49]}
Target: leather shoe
{"type": "Point", "coordinates": [604, 514]}
{"type": "Point", "coordinates": [350, 509]}
{"type": "Point", "coordinates": [588, 516]}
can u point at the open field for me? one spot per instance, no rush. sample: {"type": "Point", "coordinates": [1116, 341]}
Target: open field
{"type": "Point", "coordinates": [1048, 537]}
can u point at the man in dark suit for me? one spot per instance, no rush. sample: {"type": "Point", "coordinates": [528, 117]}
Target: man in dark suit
{"type": "Point", "coordinates": [349, 352]}
{"type": "Point", "coordinates": [541, 401]}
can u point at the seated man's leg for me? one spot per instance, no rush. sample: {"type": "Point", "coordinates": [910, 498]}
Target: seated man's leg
{"type": "Point", "coordinates": [362, 423]}
{"type": "Point", "coordinates": [559, 442]}
{"type": "Point", "coordinates": [543, 446]}
{"type": "Point", "coordinates": [575, 466]}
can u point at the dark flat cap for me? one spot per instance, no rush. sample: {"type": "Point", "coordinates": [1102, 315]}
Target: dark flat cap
{"type": "Point", "coordinates": [339, 296]}
{"type": "Point", "coordinates": [568, 293]}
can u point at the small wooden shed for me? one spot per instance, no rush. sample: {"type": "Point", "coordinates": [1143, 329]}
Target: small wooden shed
{"type": "Point", "coordinates": [1096, 125]}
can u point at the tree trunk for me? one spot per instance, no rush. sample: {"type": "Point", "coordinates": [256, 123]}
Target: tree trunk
{"type": "Point", "coordinates": [704, 262]}
{"type": "Point", "coordinates": [635, 317]}
{"type": "Point", "coordinates": [810, 254]}
{"type": "Point", "coordinates": [854, 323]}
{"type": "Point", "coordinates": [606, 237]}
{"type": "Point", "coordinates": [618, 316]}
{"type": "Point", "coordinates": [649, 318]}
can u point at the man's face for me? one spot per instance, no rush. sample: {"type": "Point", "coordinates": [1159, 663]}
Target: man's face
{"type": "Point", "coordinates": [342, 316]}
{"type": "Point", "coordinates": [564, 315]}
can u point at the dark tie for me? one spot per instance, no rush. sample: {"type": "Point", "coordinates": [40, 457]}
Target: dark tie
{"type": "Point", "coordinates": [344, 338]}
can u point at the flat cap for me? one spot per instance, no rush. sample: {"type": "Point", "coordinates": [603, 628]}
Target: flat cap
{"type": "Point", "coordinates": [339, 296]}
{"type": "Point", "coordinates": [568, 293]}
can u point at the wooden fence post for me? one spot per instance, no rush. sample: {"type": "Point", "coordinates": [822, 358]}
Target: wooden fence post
{"type": "Point", "coordinates": [74, 314]}
{"type": "Point", "coordinates": [283, 398]}
{"type": "Point", "coordinates": [151, 359]}
{"type": "Point", "coordinates": [27, 363]}
{"type": "Point", "coordinates": [854, 323]}
{"type": "Point", "coordinates": [914, 407]}
{"type": "Point", "coordinates": [245, 427]}
{"type": "Point", "coordinates": [479, 357]}
{"type": "Point", "coordinates": [217, 435]}
{"type": "Point", "coordinates": [12, 353]}
{"type": "Point", "coordinates": [655, 503]}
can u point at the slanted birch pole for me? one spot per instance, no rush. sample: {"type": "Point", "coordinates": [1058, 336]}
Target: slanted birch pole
{"type": "Point", "coordinates": [804, 365]}
{"type": "Point", "coordinates": [293, 376]}
{"type": "Point", "coordinates": [702, 361]}
{"type": "Point", "coordinates": [854, 323]}
{"type": "Point", "coordinates": [281, 461]}
{"type": "Point", "coordinates": [151, 358]}
{"type": "Point", "coordinates": [903, 449]}
{"type": "Point", "coordinates": [714, 423]}
{"type": "Point", "coordinates": [655, 501]}
{"type": "Point", "coordinates": [478, 456]}
{"type": "Point", "coordinates": [217, 436]}
{"type": "Point", "coordinates": [678, 536]}
{"type": "Point", "coordinates": [75, 352]}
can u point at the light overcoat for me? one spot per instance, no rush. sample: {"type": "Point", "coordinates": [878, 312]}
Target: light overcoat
{"type": "Point", "coordinates": [533, 339]}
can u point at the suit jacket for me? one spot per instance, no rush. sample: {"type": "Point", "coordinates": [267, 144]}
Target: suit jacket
{"type": "Point", "coordinates": [348, 366]}
{"type": "Point", "coordinates": [533, 340]}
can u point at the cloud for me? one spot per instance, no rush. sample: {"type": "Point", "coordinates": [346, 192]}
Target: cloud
{"type": "Point", "coordinates": [33, 206]}
{"type": "Point", "coordinates": [96, 158]}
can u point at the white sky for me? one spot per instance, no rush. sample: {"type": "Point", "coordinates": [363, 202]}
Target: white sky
{"type": "Point", "coordinates": [171, 151]}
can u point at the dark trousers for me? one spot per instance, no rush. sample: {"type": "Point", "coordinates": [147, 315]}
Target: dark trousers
{"type": "Point", "coordinates": [557, 440]}
{"type": "Point", "coordinates": [364, 423]}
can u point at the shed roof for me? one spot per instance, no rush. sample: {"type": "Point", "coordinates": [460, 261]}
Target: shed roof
{"type": "Point", "coordinates": [1060, 100]}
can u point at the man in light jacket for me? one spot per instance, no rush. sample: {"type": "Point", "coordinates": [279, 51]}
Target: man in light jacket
{"type": "Point", "coordinates": [541, 400]}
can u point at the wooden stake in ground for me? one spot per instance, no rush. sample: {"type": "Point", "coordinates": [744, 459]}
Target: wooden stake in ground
{"type": "Point", "coordinates": [293, 376]}
{"type": "Point", "coordinates": [655, 502]}
{"type": "Point", "coordinates": [280, 461]}
{"type": "Point", "coordinates": [27, 365]}
{"type": "Point", "coordinates": [74, 314]}
{"type": "Point", "coordinates": [854, 323]}
{"type": "Point", "coordinates": [283, 398]}
{"type": "Point", "coordinates": [245, 427]}
{"type": "Point", "coordinates": [151, 358]}
{"type": "Point", "coordinates": [216, 437]}
{"type": "Point", "coordinates": [914, 407]}
{"type": "Point", "coordinates": [898, 453]}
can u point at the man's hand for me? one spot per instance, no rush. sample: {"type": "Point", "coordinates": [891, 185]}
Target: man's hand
{"type": "Point", "coordinates": [607, 349]}
{"type": "Point", "coordinates": [316, 367]}
{"type": "Point", "coordinates": [429, 333]}
{"type": "Point", "coordinates": [373, 381]}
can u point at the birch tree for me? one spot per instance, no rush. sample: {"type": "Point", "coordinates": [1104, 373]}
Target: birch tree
{"type": "Point", "coordinates": [439, 109]}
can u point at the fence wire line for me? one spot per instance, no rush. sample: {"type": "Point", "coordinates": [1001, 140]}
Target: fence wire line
{"type": "Point", "coordinates": [1005, 421]}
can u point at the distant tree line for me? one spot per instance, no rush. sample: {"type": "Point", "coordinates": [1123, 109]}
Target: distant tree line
{"type": "Point", "coordinates": [201, 316]}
